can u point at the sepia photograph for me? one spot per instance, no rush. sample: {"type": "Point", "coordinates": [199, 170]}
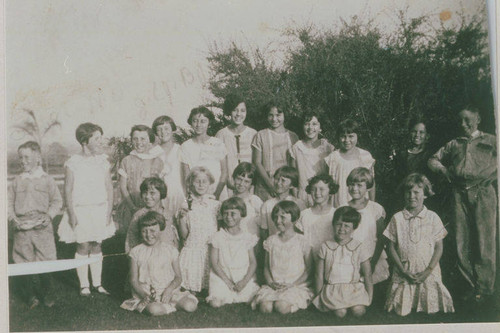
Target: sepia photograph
{"type": "Point", "coordinates": [250, 164]}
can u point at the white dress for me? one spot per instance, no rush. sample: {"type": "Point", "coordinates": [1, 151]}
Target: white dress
{"type": "Point", "coordinates": [415, 238]}
{"type": "Point", "coordinates": [208, 154]}
{"type": "Point", "coordinates": [340, 168]}
{"type": "Point", "coordinates": [310, 162]}
{"type": "Point", "coordinates": [90, 201]}
{"type": "Point", "coordinates": [234, 261]}
{"type": "Point", "coordinates": [251, 222]}
{"type": "Point", "coordinates": [172, 177]}
{"type": "Point", "coordinates": [366, 232]}
{"type": "Point", "coordinates": [194, 259]}
{"type": "Point", "coordinates": [317, 228]}
{"type": "Point", "coordinates": [286, 265]}
{"type": "Point", "coordinates": [155, 273]}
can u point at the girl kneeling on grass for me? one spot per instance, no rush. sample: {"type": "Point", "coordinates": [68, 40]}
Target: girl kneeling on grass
{"type": "Point", "coordinates": [338, 280]}
{"type": "Point", "coordinates": [155, 275]}
{"type": "Point", "coordinates": [232, 279]}
{"type": "Point", "coordinates": [287, 266]}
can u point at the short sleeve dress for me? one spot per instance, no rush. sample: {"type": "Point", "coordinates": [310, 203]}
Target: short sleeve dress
{"type": "Point", "coordinates": [90, 201]}
{"type": "Point", "coordinates": [286, 265]}
{"type": "Point", "coordinates": [366, 232]}
{"type": "Point", "coordinates": [194, 258]}
{"type": "Point", "coordinates": [415, 238]}
{"type": "Point", "coordinates": [155, 273]}
{"type": "Point", "coordinates": [234, 260]}
{"type": "Point", "coordinates": [208, 154]}
{"type": "Point", "coordinates": [342, 287]}
{"type": "Point", "coordinates": [317, 228]}
{"type": "Point", "coordinates": [135, 168]}
{"type": "Point", "coordinates": [340, 168]}
{"type": "Point", "coordinates": [310, 162]}
{"type": "Point", "coordinates": [172, 176]}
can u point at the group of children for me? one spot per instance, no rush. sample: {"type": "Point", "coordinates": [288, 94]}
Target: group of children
{"type": "Point", "coordinates": [256, 217]}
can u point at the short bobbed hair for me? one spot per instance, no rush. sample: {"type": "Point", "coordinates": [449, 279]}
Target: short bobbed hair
{"type": "Point", "coordinates": [32, 145]}
{"type": "Point", "coordinates": [266, 108]}
{"type": "Point", "coordinates": [288, 207]}
{"type": "Point", "coordinates": [197, 171]}
{"type": "Point", "coordinates": [164, 120]}
{"type": "Point", "coordinates": [234, 203]}
{"type": "Point", "coordinates": [421, 181]}
{"type": "Point", "coordinates": [143, 128]}
{"type": "Point", "coordinates": [360, 175]}
{"type": "Point", "coordinates": [348, 126]}
{"type": "Point", "coordinates": [203, 111]}
{"type": "Point", "coordinates": [246, 169]}
{"type": "Point", "coordinates": [149, 219]}
{"type": "Point", "coordinates": [347, 214]}
{"type": "Point", "coordinates": [231, 102]}
{"type": "Point", "coordinates": [325, 178]}
{"type": "Point", "coordinates": [85, 131]}
{"type": "Point", "coordinates": [288, 172]}
{"type": "Point", "coordinates": [156, 183]}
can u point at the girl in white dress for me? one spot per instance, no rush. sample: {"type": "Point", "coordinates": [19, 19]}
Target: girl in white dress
{"type": "Point", "coordinates": [288, 265]}
{"type": "Point", "coordinates": [308, 155]}
{"type": "Point", "coordinates": [338, 279]}
{"type": "Point", "coordinates": [89, 202]}
{"type": "Point", "coordinates": [372, 223]}
{"type": "Point", "coordinates": [416, 245]}
{"type": "Point", "coordinates": [316, 222]}
{"type": "Point", "coordinates": [155, 277]}
{"type": "Point", "coordinates": [164, 128]}
{"type": "Point", "coordinates": [204, 150]}
{"type": "Point", "coordinates": [342, 161]}
{"type": "Point", "coordinates": [197, 223]}
{"type": "Point", "coordinates": [237, 137]}
{"type": "Point", "coordinates": [232, 257]}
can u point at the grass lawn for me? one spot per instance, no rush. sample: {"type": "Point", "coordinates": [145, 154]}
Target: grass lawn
{"type": "Point", "coordinates": [99, 312]}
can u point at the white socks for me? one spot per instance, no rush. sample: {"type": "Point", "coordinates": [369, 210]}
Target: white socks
{"type": "Point", "coordinates": [96, 269]}
{"type": "Point", "coordinates": [83, 271]}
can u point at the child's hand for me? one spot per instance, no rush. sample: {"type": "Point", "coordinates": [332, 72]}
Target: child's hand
{"type": "Point", "coordinates": [446, 175]}
{"type": "Point", "coordinates": [165, 298]}
{"type": "Point", "coordinates": [239, 286]}
{"type": "Point", "coordinates": [230, 284]}
{"type": "Point", "coordinates": [422, 276]}
{"type": "Point", "coordinates": [409, 276]}
{"type": "Point", "coordinates": [73, 221]}
{"type": "Point", "coordinates": [46, 221]}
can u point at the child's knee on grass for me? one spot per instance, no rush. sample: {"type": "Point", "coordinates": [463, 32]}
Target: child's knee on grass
{"type": "Point", "coordinates": [283, 307]}
{"type": "Point", "coordinates": [340, 313]}
{"type": "Point", "coordinates": [216, 303]}
{"type": "Point", "coordinates": [266, 307]}
{"type": "Point", "coordinates": [358, 310]}
{"type": "Point", "coordinates": [187, 304]}
{"type": "Point", "coordinates": [156, 309]}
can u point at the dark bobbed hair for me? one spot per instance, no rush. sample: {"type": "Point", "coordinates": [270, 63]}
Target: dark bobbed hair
{"type": "Point", "coordinates": [154, 182]}
{"type": "Point", "coordinates": [149, 219]}
{"type": "Point", "coordinates": [360, 175]}
{"type": "Point", "coordinates": [203, 111]}
{"type": "Point", "coordinates": [234, 203]}
{"type": "Point", "coordinates": [231, 102]}
{"type": "Point", "coordinates": [415, 120]}
{"type": "Point", "coordinates": [266, 108]}
{"type": "Point", "coordinates": [85, 131]}
{"type": "Point", "coordinates": [347, 126]}
{"type": "Point", "coordinates": [143, 128]}
{"type": "Point", "coordinates": [347, 214]}
{"type": "Point", "coordinates": [421, 181]}
{"type": "Point", "coordinates": [288, 172]}
{"type": "Point", "coordinates": [246, 169]}
{"type": "Point", "coordinates": [288, 207]}
{"type": "Point", "coordinates": [34, 146]}
{"type": "Point", "coordinates": [163, 120]}
{"type": "Point", "coordinates": [325, 178]}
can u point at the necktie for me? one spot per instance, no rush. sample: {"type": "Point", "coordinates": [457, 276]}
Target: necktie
{"type": "Point", "coordinates": [237, 137]}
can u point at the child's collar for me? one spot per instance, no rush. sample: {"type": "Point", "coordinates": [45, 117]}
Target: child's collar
{"type": "Point", "coordinates": [36, 173]}
{"type": "Point", "coordinates": [151, 154]}
{"type": "Point", "coordinates": [407, 215]}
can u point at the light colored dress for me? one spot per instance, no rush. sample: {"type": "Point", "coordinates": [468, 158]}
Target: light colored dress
{"type": "Point", "coordinates": [172, 177]}
{"type": "Point", "coordinates": [238, 149]}
{"type": "Point", "coordinates": [286, 265]}
{"type": "Point", "coordinates": [266, 221]}
{"type": "Point", "coordinates": [90, 201]}
{"type": "Point", "coordinates": [366, 232]}
{"type": "Point", "coordinates": [250, 223]}
{"type": "Point", "coordinates": [155, 273]}
{"type": "Point", "coordinates": [273, 148]}
{"type": "Point", "coordinates": [342, 287]}
{"type": "Point", "coordinates": [317, 228]}
{"type": "Point", "coordinates": [194, 258]}
{"type": "Point", "coordinates": [234, 261]}
{"type": "Point", "coordinates": [340, 168]}
{"type": "Point", "coordinates": [415, 238]}
{"type": "Point", "coordinates": [310, 162]}
{"type": "Point", "coordinates": [208, 154]}
{"type": "Point", "coordinates": [169, 234]}
{"type": "Point", "coordinates": [135, 168]}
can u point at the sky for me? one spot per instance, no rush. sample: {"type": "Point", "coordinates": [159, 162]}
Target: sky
{"type": "Point", "coordinates": [121, 63]}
